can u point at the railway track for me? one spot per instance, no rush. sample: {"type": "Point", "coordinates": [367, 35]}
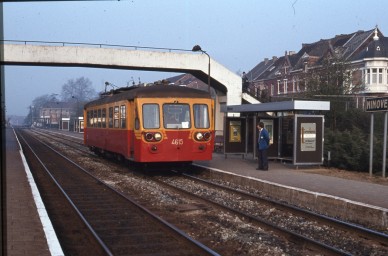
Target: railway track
{"type": "Point", "coordinates": [238, 228]}
{"type": "Point", "coordinates": [315, 231]}
{"type": "Point", "coordinates": [353, 229]}
{"type": "Point", "coordinates": [92, 218]}
{"type": "Point", "coordinates": [72, 142]}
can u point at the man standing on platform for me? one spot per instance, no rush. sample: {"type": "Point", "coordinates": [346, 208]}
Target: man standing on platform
{"type": "Point", "coordinates": [262, 147]}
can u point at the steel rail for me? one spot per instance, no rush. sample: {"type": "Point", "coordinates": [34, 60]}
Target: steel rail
{"type": "Point", "coordinates": [81, 216]}
{"type": "Point", "coordinates": [169, 226]}
{"type": "Point", "coordinates": [295, 237]}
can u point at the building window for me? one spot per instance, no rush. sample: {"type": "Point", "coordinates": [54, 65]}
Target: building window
{"type": "Point", "coordinates": [285, 86]}
{"type": "Point", "coordinates": [380, 75]}
{"type": "Point", "coordinates": [278, 87]}
{"type": "Point", "coordinates": [293, 85]}
{"type": "Point", "coordinates": [374, 75]}
{"type": "Point", "coordinates": [367, 76]}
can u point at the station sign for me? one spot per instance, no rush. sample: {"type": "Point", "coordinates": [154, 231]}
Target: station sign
{"type": "Point", "coordinates": [376, 104]}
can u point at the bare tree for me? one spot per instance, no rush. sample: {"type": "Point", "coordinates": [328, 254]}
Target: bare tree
{"type": "Point", "coordinates": [333, 81]}
{"type": "Point", "coordinates": [36, 105]}
{"type": "Point", "coordinates": [332, 78]}
{"type": "Point", "coordinates": [80, 90]}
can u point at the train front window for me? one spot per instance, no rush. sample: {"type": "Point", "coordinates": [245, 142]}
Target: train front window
{"type": "Point", "coordinates": [201, 116]}
{"type": "Point", "coordinates": [176, 116]}
{"type": "Point", "coordinates": [151, 116]}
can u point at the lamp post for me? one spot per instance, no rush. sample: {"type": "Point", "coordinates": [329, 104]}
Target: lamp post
{"type": "Point", "coordinates": [59, 104]}
{"type": "Point", "coordinates": [77, 110]}
{"type": "Point", "coordinates": [198, 48]}
{"type": "Point", "coordinates": [76, 118]}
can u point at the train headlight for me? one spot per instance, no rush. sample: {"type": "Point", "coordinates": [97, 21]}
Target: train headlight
{"type": "Point", "coordinates": [207, 136]}
{"type": "Point", "coordinates": [199, 136]}
{"type": "Point", "coordinates": [149, 136]}
{"type": "Point", "coordinates": [158, 136]}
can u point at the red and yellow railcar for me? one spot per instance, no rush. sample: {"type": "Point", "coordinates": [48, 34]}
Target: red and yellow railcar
{"type": "Point", "coordinates": [152, 124]}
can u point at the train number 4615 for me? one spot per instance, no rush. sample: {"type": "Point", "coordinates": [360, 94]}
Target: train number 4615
{"type": "Point", "coordinates": [177, 142]}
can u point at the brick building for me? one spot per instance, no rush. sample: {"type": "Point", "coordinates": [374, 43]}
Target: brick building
{"type": "Point", "coordinates": [51, 114]}
{"type": "Point", "coordinates": [366, 53]}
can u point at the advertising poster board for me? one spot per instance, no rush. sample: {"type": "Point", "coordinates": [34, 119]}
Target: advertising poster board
{"type": "Point", "coordinates": [235, 131]}
{"type": "Point", "coordinates": [235, 135]}
{"type": "Point", "coordinates": [308, 140]}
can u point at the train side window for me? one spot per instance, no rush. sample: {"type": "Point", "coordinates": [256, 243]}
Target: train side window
{"type": "Point", "coordinates": [151, 116]}
{"type": "Point", "coordinates": [123, 116]}
{"type": "Point", "coordinates": [110, 118]}
{"type": "Point", "coordinates": [103, 118]}
{"type": "Point", "coordinates": [99, 118]}
{"type": "Point", "coordinates": [95, 118]}
{"type": "Point", "coordinates": [201, 116]}
{"type": "Point", "coordinates": [176, 116]}
{"type": "Point", "coordinates": [116, 117]}
{"type": "Point", "coordinates": [89, 116]}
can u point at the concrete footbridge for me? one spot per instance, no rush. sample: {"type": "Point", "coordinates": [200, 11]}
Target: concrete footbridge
{"type": "Point", "coordinates": [226, 83]}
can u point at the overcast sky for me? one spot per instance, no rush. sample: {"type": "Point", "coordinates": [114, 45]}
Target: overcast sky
{"type": "Point", "coordinates": [237, 34]}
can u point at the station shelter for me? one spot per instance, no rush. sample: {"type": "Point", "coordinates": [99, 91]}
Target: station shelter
{"type": "Point", "coordinates": [296, 130]}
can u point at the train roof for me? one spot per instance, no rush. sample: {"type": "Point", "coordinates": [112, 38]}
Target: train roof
{"type": "Point", "coordinates": [154, 91]}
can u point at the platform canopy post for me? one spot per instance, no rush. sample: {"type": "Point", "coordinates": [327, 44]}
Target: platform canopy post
{"type": "Point", "coordinates": [385, 143]}
{"type": "Point", "coordinates": [371, 145]}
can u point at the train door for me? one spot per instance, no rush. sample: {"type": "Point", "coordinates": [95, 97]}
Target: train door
{"type": "Point", "coordinates": [134, 126]}
{"type": "Point", "coordinates": [176, 121]}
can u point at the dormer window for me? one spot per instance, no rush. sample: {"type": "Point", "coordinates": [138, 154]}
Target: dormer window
{"type": "Point", "coordinates": [378, 48]}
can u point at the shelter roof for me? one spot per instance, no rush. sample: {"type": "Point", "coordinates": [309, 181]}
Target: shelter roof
{"type": "Point", "coordinates": [295, 105]}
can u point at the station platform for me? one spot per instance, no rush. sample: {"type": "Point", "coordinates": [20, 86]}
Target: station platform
{"type": "Point", "coordinates": [362, 201]}
{"type": "Point", "coordinates": [28, 229]}
{"type": "Point", "coordinates": [307, 177]}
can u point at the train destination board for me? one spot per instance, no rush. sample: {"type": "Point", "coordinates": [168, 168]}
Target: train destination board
{"type": "Point", "coordinates": [376, 104]}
